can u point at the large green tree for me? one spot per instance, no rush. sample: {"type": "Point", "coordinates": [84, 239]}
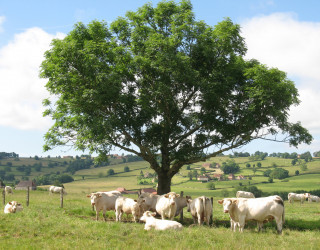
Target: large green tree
{"type": "Point", "coordinates": [159, 84]}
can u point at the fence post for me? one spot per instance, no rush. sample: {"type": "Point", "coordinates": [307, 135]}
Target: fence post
{"type": "Point", "coordinates": [61, 198]}
{"type": "Point", "coordinates": [211, 220]}
{"type": "Point", "coordinates": [181, 214]}
{"type": "Point", "coordinates": [28, 196]}
{"type": "Point", "coordinates": [4, 196]}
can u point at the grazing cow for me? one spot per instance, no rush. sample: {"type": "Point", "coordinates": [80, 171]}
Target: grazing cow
{"type": "Point", "coordinates": [157, 224]}
{"type": "Point", "coordinates": [259, 209]}
{"type": "Point", "coordinates": [8, 190]}
{"type": "Point", "coordinates": [150, 201]}
{"type": "Point", "coordinates": [13, 207]}
{"type": "Point", "coordinates": [104, 202]}
{"type": "Point", "coordinates": [243, 194]}
{"type": "Point", "coordinates": [128, 206]}
{"type": "Point", "coordinates": [201, 209]}
{"type": "Point", "coordinates": [314, 198]}
{"type": "Point", "coordinates": [297, 197]}
{"type": "Point", "coordinates": [56, 190]}
{"type": "Point", "coordinates": [167, 206]}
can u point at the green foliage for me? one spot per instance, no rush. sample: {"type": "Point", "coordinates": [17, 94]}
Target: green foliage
{"type": "Point", "coordinates": [110, 172]}
{"type": "Point", "coordinates": [248, 165]}
{"type": "Point", "coordinates": [230, 167]}
{"type": "Point", "coordinates": [155, 78]}
{"type": "Point", "coordinates": [306, 156]}
{"type": "Point", "coordinates": [279, 173]}
{"type": "Point", "coordinates": [188, 167]}
{"type": "Point", "coordinates": [259, 165]}
{"type": "Point", "coordinates": [304, 167]}
{"type": "Point", "coordinates": [126, 169]}
{"type": "Point", "coordinates": [211, 186]}
{"type": "Point", "coordinates": [297, 172]}
{"type": "Point", "coordinates": [270, 179]}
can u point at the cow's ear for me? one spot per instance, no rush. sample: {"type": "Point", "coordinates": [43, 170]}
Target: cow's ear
{"type": "Point", "coordinates": [10, 203]}
{"type": "Point", "coordinates": [166, 195]}
{"type": "Point", "coordinates": [189, 200]}
{"type": "Point", "coordinates": [99, 195]}
{"type": "Point", "coordinates": [88, 195]}
{"type": "Point", "coordinates": [235, 201]}
{"type": "Point", "coordinates": [154, 214]}
{"type": "Point", "coordinates": [220, 201]}
{"type": "Point", "coordinates": [188, 197]}
{"type": "Point", "coordinates": [135, 200]}
{"type": "Point", "coordinates": [18, 204]}
{"type": "Point", "coordinates": [177, 195]}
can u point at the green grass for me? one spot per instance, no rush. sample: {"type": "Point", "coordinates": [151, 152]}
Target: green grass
{"type": "Point", "coordinates": [44, 225]}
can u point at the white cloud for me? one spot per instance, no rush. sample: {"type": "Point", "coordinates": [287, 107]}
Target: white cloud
{"type": "Point", "coordinates": [2, 19]}
{"type": "Point", "coordinates": [21, 90]}
{"type": "Point", "coordinates": [280, 40]}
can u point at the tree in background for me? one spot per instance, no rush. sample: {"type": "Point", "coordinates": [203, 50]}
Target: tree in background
{"type": "Point", "coordinates": [126, 169]}
{"type": "Point", "coordinates": [110, 172]}
{"type": "Point", "coordinates": [158, 82]}
{"type": "Point", "coordinates": [230, 166]}
{"type": "Point", "coordinates": [306, 156]}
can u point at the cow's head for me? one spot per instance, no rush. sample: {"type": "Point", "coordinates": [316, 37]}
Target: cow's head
{"type": "Point", "coordinates": [172, 198]}
{"type": "Point", "coordinates": [227, 204]}
{"type": "Point", "coordinates": [94, 198]}
{"type": "Point", "coordinates": [189, 204]}
{"type": "Point", "coordinates": [14, 205]}
{"type": "Point", "coordinates": [146, 215]}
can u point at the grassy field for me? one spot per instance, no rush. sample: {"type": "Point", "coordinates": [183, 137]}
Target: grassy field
{"type": "Point", "coordinates": [44, 225]}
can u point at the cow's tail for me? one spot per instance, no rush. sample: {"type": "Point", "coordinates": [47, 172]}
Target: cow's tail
{"type": "Point", "coordinates": [283, 220]}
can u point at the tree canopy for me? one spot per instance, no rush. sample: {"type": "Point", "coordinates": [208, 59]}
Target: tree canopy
{"type": "Point", "coordinates": [158, 82]}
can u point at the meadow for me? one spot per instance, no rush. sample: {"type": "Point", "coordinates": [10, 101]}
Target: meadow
{"type": "Point", "coordinates": [44, 225]}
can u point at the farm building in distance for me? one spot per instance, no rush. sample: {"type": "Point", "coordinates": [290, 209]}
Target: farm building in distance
{"type": "Point", "coordinates": [23, 185]}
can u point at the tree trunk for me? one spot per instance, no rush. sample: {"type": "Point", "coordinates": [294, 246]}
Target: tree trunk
{"type": "Point", "coordinates": [164, 183]}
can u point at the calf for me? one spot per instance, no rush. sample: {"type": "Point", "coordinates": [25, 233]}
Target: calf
{"type": "Point", "coordinates": [166, 205]}
{"type": "Point", "coordinates": [104, 202]}
{"type": "Point", "coordinates": [201, 209]}
{"type": "Point", "coordinates": [13, 207]}
{"type": "Point", "coordinates": [8, 190]}
{"type": "Point", "coordinates": [298, 197]}
{"type": "Point", "coordinates": [243, 194]}
{"type": "Point", "coordinates": [313, 198]}
{"type": "Point", "coordinates": [157, 224]}
{"type": "Point", "coordinates": [128, 206]}
{"type": "Point", "coordinates": [260, 210]}
{"type": "Point", "coordinates": [56, 190]}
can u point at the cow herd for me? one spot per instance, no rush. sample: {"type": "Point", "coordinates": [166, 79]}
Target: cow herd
{"type": "Point", "coordinates": [245, 207]}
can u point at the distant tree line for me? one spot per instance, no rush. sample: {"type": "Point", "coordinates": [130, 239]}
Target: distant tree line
{"type": "Point", "coordinates": [53, 179]}
{"type": "Point", "coordinates": [4, 155]}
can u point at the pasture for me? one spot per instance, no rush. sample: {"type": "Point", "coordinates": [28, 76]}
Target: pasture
{"type": "Point", "coordinates": [44, 225]}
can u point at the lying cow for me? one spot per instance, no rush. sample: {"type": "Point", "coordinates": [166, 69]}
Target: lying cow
{"type": "Point", "coordinates": [167, 205]}
{"type": "Point", "coordinates": [8, 190]}
{"type": "Point", "coordinates": [104, 202]}
{"type": "Point", "coordinates": [259, 209]}
{"type": "Point", "coordinates": [200, 209]}
{"type": "Point", "coordinates": [243, 194]}
{"type": "Point", "coordinates": [297, 197]}
{"type": "Point", "coordinates": [13, 207]}
{"type": "Point", "coordinates": [56, 190]}
{"type": "Point", "coordinates": [128, 206]}
{"type": "Point", "coordinates": [314, 198]}
{"type": "Point", "coordinates": [157, 224]}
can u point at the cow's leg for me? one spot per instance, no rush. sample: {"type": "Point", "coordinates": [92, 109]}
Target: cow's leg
{"type": "Point", "coordinates": [260, 225]}
{"type": "Point", "coordinates": [104, 215]}
{"type": "Point", "coordinates": [117, 214]}
{"type": "Point", "coordinates": [97, 215]}
{"type": "Point", "coordinates": [194, 219]}
{"type": "Point", "coordinates": [241, 223]}
{"type": "Point", "coordinates": [232, 225]}
{"type": "Point", "coordinates": [279, 224]}
{"type": "Point", "coordinates": [162, 216]}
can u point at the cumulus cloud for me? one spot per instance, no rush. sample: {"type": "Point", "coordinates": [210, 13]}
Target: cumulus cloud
{"type": "Point", "coordinates": [2, 19]}
{"type": "Point", "coordinates": [21, 90]}
{"type": "Point", "coordinates": [281, 40]}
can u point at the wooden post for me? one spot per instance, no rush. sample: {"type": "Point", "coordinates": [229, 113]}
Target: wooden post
{"type": "Point", "coordinates": [4, 196]}
{"type": "Point", "coordinates": [181, 214]}
{"type": "Point", "coordinates": [28, 195]}
{"type": "Point", "coordinates": [211, 220]}
{"type": "Point", "coordinates": [61, 198]}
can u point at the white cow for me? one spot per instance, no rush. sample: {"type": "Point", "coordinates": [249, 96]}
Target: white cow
{"type": "Point", "coordinates": [259, 209]}
{"type": "Point", "coordinates": [104, 202]}
{"type": "Point", "coordinates": [128, 206]}
{"type": "Point", "coordinates": [150, 201]}
{"type": "Point", "coordinates": [157, 224]}
{"type": "Point", "coordinates": [297, 197]}
{"type": "Point", "coordinates": [8, 190]}
{"type": "Point", "coordinates": [13, 207]}
{"type": "Point", "coordinates": [243, 194]}
{"type": "Point", "coordinates": [182, 202]}
{"type": "Point", "coordinates": [56, 190]}
{"type": "Point", "coordinates": [314, 198]}
{"type": "Point", "coordinates": [167, 206]}
{"type": "Point", "coordinates": [201, 209]}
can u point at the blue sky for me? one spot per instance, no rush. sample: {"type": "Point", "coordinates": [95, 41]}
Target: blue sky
{"type": "Point", "coordinates": [279, 33]}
